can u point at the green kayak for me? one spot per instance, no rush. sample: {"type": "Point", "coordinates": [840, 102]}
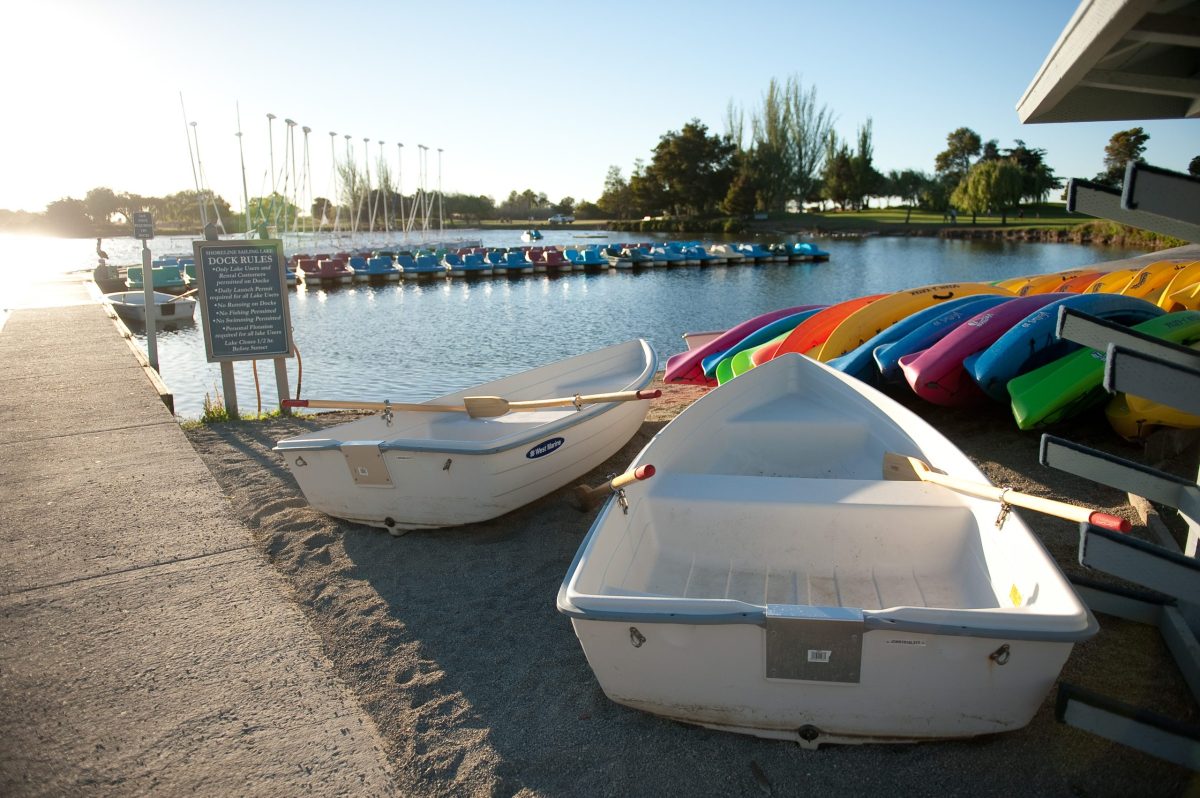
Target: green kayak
{"type": "Point", "coordinates": [740, 363]}
{"type": "Point", "coordinates": [1071, 384]}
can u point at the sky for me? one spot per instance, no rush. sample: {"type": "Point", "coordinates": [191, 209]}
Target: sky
{"type": "Point", "coordinates": [519, 95]}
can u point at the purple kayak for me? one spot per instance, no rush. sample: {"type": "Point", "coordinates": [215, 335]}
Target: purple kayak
{"type": "Point", "coordinates": [937, 375]}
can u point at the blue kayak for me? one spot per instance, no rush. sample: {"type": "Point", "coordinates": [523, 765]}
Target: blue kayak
{"type": "Point", "coordinates": [860, 361]}
{"type": "Point", "coordinates": [759, 336]}
{"type": "Point", "coordinates": [1033, 342]}
{"type": "Point", "coordinates": [887, 356]}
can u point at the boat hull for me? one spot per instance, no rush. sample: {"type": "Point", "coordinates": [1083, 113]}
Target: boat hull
{"type": "Point", "coordinates": [767, 581]}
{"type": "Point", "coordinates": [429, 470]}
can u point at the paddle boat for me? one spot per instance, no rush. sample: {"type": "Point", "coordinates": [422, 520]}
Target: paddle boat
{"type": "Point", "coordinates": [531, 235]}
{"type": "Point", "coordinates": [768, 580]}
{"type": "Point", "coordinates": [755, 253]}
{"type": "Point", "coordinates": [556, 262]}
{"type": "Point", "coordinates": [440, 463]}
{"type": "Point", "coordinates": [495, 259]}
{"type": "Point", "coordinates": [324, 271]}
{"type": "Point", "coordinates": [695, 252]}
{"type": "Point", "coordinates": [165, 278]}
{"type": "Point", "coordinates": [667, 256]}
{"type": "Point", "coordinates": [729, 252]}
{"type": "Point", "coordinates": [168, 308]}
{"type": "Point", "coordinates": [422, 266]}
{"type": "Point", "coordinates": [515, 262]}
{"type": "Point", "coordinates": [805, 251]}
{"type": "Point", "coordinates": [376, 267]}
{"type": "Point", "coordinates": [475, 265]}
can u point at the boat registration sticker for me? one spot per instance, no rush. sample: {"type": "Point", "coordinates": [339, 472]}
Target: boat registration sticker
{"type": "Point", "coordinates": [545, 447]}
{"type": "Point", "coordinates": [819, 656]}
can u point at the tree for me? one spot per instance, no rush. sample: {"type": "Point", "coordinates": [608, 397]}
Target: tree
{"type": "Point", "coordinates": [908, 185]}
{"type": "Point", "coordinates": [1124, 147]}
{"type": "Point", "coordinates": [100, 204]}
{"type": "Point", "coordinates": [273, 209]}
{"type": "Point", "coordinates": [953, 163]}
{"type": "Point", "coordinates": [323, 211]}
{"type": "Point", "coordinates": [788, 138]}
{"type": "Point", "coordinates": [68, 217]}
{"type": "Point", "coordinates": [990, 186]}
{"type": "Point", "coordinates": [1194, 167]}
{"type": "Point", "coordinates": [616, 201]}
{"type": "Point", "coordinates": [1038, 179]}
{"type": "Point", "coordinates": [691, 169]}
{"type": "Point", "coordinates": [588, 210]}
{"type": "Point", "coordinates": [838, 175]}
{"type": "Point", "coordinates": [742, 195]}
{"type": "Point", "coordinates": [866, 180]}
{"type": "Point", "coordinates": [565, 206]}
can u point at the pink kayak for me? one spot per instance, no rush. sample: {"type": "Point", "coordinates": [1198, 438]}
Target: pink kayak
{"type": "Point", "coordinates": [688, 366]}
{"type": "Point", "coordinates": [937, 375]}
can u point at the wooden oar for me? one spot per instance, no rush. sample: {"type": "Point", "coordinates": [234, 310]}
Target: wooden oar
{"type": "Point", "coordinates": [181, 296]}
{"type": "Point", "coordinates": [492, 406]}
{"type": "Point", "coordinates": [902, 467]}
{"type": "Point", "coordinates": [475, 406]}
{"type": "Point", "coordinates": [587, 497]}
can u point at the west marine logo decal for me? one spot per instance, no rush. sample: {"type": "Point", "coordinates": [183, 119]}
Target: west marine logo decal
{"type": "Point", "coordinates": [545, 447]}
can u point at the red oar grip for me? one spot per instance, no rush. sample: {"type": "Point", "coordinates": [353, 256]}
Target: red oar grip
{"type": "Point", "coordinates": [649, 394]}
{"type": "Point", "coordinates": [294, 403]}
{"type": "Point", "coordinates": [1106, 521]}
{"type": "Point", "coordinates": [643, 472]}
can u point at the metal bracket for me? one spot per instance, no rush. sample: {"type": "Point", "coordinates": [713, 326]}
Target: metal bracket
{"type": "Point", "coordinates": [1143, 373]}
{"type": "Point", "coordinates": [819, 644]}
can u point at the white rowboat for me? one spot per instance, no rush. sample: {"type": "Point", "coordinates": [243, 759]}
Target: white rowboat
{"type": "Point", "coordinates": [168, 309]}
{"type": "Point", "coordinates": [768, 581]}
{"type": "Point", "coordinates": [415, 469]}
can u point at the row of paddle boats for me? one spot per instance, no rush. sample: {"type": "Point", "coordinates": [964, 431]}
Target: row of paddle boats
{"type": "Point", "coordinates": [794, 556]}
{"type": "Point", "coordinates": [957, 344]}
{"type": "Point", "coordinates": [346, 267]}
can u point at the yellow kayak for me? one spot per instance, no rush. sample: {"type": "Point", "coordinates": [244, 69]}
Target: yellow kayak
{"type": "Point", "coordinates": [1113, 282]}
{"type": "Point", "coordinates": [1135, 417]}
{"type": "Point", "coordinates": [868, 321]}
{"type": "Point", "coordinates": [1049, 283]}
{"type": "Point", "coordinates": [1187, 298]}
{"type": "Point", "coordinates": [1186, 278]}
{"type": "Point", "coordinates": [1153, 278]}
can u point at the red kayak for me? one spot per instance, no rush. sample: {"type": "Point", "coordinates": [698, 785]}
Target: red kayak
{"type": "Point", "coordinates": [937, 375]}
{"type": "Point", "coordinates": [688, 366]}
{"type": "Point", "coordinates": [813, 331]}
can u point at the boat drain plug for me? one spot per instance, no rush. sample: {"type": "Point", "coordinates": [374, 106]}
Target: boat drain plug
{"type": "Point", "coordinates": [389, 522]}
{"type": "Point", "coordinates": [636, 637]}
{"type": "Point", "coordinates": [808, 733]}
{"type": "Point", "coordinates": [1000, 655]}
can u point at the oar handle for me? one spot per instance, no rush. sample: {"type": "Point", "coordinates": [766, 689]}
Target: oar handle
{"type": "Point", "coordinates": [331, 404]}
{"type": "Point", "coordinates": [1071, 512]}
{"type": "Point", "coordinates": [588, 497]}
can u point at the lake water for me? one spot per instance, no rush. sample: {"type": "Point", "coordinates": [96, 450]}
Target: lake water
{"type": "Point", "coordinates": [413, 341]}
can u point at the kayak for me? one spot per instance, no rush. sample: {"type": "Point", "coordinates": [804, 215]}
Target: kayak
{"type": "Point", "coordinates": [937, 374]}
{"type": "Point", "coordinates": [886, 311]}
{"type": "Point", "coordinates": [1034, 341]}
{"type": "Point", "coordinates": [1153, 278]}
{"type": "Point", "coordinates": [887, 356]}
{"type": "Point", "coordinates": [1050, 283]}
{"type": "Point", "coordinates": [759, 336]}
{"type": "Point", "coordinates": [1112, 282]}
{"type": "Point", "coordinates": [1184, 278]}
{"type": "Point", "coordinates": [860, 362]}
{"type": "Point", "coordinates": [813, 331]}
{"type": "Point", "coordinates": [739, 361]}
{"type": "Point", "coordinates": [688, 366]}
{"type": "Point", "coordinates": [767, 581]}
{"type": "Point", "coordinates": [1071, 384]}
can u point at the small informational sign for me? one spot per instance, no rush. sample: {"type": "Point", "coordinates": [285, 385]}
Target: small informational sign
{"type": "Point", "coordinates": [243, 300]}
{"type": "Point", "coordinates": [143, 225]}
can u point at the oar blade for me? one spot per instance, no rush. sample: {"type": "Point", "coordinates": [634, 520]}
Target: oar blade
{"type": "Point", "coordinates": [902, 467]}
{"type": "Point", "coordinates": [485, 406]}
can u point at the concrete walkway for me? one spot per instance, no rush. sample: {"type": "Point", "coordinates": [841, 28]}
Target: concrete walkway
{"type": "Point", "coordinates": [145, 644]}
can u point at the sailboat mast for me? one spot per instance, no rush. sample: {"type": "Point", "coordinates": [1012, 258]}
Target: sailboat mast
{"type": "Point", "coordinates": [242, 157]}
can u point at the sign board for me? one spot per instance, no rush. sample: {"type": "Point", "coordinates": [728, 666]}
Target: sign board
{"type": "Point", "coordinates": [143, 225]}
{"type": "Point", "coordinates": [243, 300]}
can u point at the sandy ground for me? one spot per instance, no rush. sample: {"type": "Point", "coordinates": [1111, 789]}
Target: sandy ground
{"type": "Point", "coordinates": [452, 643]}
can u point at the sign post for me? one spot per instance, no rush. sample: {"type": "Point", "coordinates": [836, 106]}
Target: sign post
{"type": "Point", "coordinates": [143, 229]}
{"type": "Point", "coordinates": [244, 306]}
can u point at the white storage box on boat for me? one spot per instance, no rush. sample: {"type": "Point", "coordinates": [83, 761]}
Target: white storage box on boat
{"type": "Point", "coordinates": [414, 469]}
{"type": "Point", "coordinates": [768, 581]}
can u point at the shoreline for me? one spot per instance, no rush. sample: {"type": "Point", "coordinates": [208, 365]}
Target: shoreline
{"type": "Point", "coordinates": [451, 642]}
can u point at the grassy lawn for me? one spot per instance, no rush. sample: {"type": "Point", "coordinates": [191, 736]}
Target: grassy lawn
{"type": "Point", "coordinates": [1048, 215]}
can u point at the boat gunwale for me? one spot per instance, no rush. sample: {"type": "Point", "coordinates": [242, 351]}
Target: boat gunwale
{"type": "Point", "coordinates": [757, 614]}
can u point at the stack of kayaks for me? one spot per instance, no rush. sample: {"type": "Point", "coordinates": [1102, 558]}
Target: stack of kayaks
{"type": "Point", "coordinates": [954, 344]}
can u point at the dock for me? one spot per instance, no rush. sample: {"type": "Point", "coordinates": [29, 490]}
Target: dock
{"type": "Point", "coordinates": [146, 644]}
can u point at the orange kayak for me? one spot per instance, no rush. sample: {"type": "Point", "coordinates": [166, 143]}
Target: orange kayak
{"type": "Point", "coordinates": [813, 331]}
{"type": "Point", "coordinates": [1077, 285]}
